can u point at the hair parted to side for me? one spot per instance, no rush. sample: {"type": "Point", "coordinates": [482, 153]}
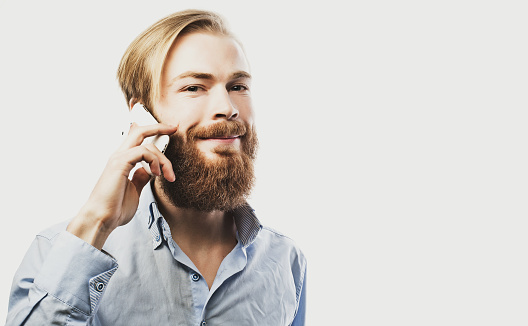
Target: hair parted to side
{"type": "Point", "coordinates": [139, 71]}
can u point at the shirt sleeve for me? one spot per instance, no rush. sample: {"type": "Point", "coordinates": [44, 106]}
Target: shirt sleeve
{"type": "Point", "coordinates": [60, 281]}
{"type": "Point", "coordinates": [299, 319]}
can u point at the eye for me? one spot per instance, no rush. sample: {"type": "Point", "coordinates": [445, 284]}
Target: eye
{"type": "Point", "coordinates": [239, 88]}
{"type": "Point", "coordinates": [191, 89]}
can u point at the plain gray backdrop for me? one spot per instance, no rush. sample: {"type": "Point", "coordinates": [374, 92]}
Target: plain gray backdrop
{"type": "Point", "coordinates": [392, 142]}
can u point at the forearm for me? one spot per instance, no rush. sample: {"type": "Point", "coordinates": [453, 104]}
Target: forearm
{"type": "Point", "coordinates": [60, 281]}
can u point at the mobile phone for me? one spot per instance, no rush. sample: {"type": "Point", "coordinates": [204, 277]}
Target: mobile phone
{"type": "Point", "coordinates": [142, 117]}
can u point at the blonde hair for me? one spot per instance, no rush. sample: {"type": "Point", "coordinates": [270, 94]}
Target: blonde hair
{"type": "Point", "coordinates": [139, 71]}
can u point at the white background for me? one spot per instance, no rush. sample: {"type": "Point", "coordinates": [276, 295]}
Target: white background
{"type": "Point", "coordinates": [393, 142]}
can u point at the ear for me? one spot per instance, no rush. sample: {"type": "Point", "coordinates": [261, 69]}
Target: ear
{"type": "Point", "coordinates": [132, 102]}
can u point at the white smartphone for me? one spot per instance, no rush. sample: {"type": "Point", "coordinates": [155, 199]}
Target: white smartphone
{"type": "Point", "coordinates": [142, 117]}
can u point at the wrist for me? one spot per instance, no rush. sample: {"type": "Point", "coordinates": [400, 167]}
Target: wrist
{"type": "Point", "coordinates": [91, 230]}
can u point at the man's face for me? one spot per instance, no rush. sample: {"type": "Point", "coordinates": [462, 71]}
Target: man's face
{"type": "Point", "coordinates": [205, 81]}
{"type": "Point", "coordinates": [205, 91]}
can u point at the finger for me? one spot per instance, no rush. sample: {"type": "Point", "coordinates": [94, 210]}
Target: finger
{"type": "Point", "coordinates": [165, 163]}
{"type": "Point", "coordinates": [137, 133]}
{"type": "Point", "coordinates": [140, 179]}
{"type": "Point", "coordinates": [127, 160]}
{"type": "Point", "coordinates": [164, 129]}
{"type": "Point", "coordinates": [151, 159]}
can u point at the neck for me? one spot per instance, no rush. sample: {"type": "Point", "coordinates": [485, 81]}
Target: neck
{"type": "Point", "coordinates": [195, 230]}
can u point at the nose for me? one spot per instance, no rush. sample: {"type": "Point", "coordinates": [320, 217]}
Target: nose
{"type": "Point", "coordinates": [223, 107]}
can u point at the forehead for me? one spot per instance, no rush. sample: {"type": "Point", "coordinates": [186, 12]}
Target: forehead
{"type": "Point", "coordinates": [205, 53]}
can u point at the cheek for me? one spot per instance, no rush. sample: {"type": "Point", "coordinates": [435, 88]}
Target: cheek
{"type": "Point", "coordinates": [181, 114]}
{"type": "Point", "coordinates": [245, 109]}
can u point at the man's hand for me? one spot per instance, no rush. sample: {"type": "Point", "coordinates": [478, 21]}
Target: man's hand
{"type": "Point", "coordinates": [115, 198]}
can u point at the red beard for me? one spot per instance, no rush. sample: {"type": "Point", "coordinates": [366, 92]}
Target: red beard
{"type": "Point", "coordinates": [206, 184]}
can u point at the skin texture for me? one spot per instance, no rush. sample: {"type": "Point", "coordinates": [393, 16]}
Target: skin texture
{"type": "Point", "coordinates": [189, 101]}
{"type": "Point", "coordinates": [205, 81]}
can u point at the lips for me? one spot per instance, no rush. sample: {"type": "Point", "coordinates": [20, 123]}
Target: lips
{"type": "Point", "coordinates": [223, 137]}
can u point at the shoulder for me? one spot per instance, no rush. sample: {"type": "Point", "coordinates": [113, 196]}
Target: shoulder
{"type": "Point", "coordinates": [283, 253]}
{"type": "Point", "coordinates": [277, 245]}
{"type": "Point", "coordinates": [278, 238]}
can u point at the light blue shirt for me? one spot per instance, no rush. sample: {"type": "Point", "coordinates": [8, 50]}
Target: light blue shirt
{"type": "Point", "coordinates": [63, 280]}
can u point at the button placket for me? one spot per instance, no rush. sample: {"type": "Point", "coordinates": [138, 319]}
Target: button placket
{"type": "Point", "coordinates": [200, 292]}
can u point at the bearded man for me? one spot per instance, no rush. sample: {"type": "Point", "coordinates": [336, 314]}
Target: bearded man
{"type": "Point", "coordinates": [190, 249]}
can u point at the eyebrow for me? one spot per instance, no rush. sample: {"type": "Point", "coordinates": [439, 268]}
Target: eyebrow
{"type": "Point", "coordinates": [240, 74]}
{"type": "Point", "coordinates": [202, 75]}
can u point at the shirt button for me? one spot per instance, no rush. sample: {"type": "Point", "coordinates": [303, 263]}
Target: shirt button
{"type": "Point", "coordinates": [99, 286]}
{"type": "Point", "coordinates": [195, 277]}
{"type": "Point", "coordinates": [203, 323]}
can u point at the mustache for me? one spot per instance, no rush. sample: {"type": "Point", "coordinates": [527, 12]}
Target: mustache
{"type": "Point", "coordinates": [218, 130]}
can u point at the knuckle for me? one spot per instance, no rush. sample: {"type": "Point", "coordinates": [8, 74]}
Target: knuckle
{"type": "Point", "coordinates": [134, 130]}
{"type": "Point", "coordinates": [115, 160]}
{"type": "Point", "coordinates": [137, 133]}
{"type": "Point", "coordinates": [152, 148]}
{"type": "Point", "coordinates": [115, 157]}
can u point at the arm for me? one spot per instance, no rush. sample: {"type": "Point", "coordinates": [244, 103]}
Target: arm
{"type": "Point", "coordinates": [299, 319]}
{"type": "Point", "coordinates": [63, 275]}
{"type": "Point", "coordinates": [115, 198]}
{"type": "Point", "coordinates": [60, 281]}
